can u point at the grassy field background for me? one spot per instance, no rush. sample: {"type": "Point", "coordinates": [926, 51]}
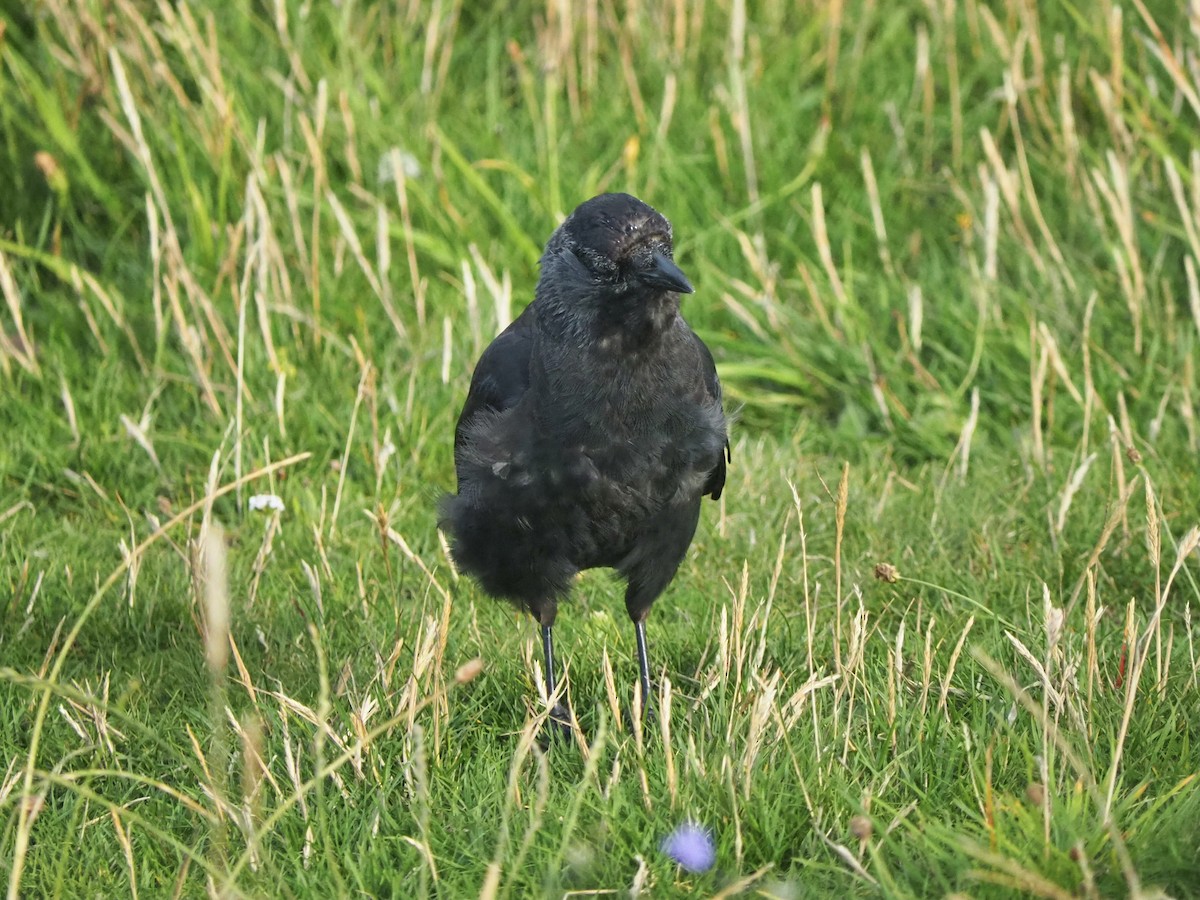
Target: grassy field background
{"type": "Point", "coordinates": [936, 639]}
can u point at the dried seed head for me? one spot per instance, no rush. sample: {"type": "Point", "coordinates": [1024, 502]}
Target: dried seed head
{"type": "Point", "coordinates": [215, 571]}
{"type": "Point", "coordinates": [887, 572]}
{"type": "Point", "coordinates": [860, 827]}
{"type": "Point", "coordinates": [51, 171]}
{"type": "Point", "coordinates": [1036, 793]}
{"type": "Point", "coordinates": [469, 671]}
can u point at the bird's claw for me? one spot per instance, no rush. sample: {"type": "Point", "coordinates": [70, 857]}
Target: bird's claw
{"type": "Point", "coordinates": [559, 726]}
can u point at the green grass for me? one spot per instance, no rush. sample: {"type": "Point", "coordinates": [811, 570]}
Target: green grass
{"type": "Point", "coordinates": [946, 257]}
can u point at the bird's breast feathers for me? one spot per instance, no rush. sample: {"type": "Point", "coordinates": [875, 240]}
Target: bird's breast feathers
{"type": "Point", "coordinates": [604, 459]}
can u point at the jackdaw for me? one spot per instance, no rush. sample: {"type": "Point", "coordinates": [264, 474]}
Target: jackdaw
{"type": "Point", "coordinates": [592, 429]}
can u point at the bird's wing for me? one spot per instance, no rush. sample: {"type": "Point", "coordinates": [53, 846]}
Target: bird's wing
{"type": "Point", "coordinates": [716, 477]}
{"type": "Point", "coordinates": [502, 373]}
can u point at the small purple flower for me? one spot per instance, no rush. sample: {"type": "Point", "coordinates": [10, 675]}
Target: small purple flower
{"type": "Point", "coordinates": [691, 845]}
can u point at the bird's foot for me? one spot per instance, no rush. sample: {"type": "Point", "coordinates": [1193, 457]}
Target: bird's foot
{"type": "Point", "coordinates": [558, 726]}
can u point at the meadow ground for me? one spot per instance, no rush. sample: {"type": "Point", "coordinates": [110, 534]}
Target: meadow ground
{"type": "Point", "coordinates": [936, 639]}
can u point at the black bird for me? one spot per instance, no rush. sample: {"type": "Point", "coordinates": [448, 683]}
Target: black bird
{"type": "Point", "coordinates": [592, 429]}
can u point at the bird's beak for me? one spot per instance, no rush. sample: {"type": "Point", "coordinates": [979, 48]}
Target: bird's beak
{"type": "Point", "coordinates": [665, 274]}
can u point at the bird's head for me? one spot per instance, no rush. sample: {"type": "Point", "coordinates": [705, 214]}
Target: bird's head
{"type": "Point", "coordinates": [612, 256]}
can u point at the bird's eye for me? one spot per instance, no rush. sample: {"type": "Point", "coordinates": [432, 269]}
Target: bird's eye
{"type": "Point", "coordinates": [596, 265]}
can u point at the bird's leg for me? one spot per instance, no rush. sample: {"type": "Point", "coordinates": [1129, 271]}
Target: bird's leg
{"type": "Point", "coordinates": [639, 626]}
{"type": "Point", "coordinates": [548, 652]}
{"type": "Point", "coordinates": [560, 715]}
